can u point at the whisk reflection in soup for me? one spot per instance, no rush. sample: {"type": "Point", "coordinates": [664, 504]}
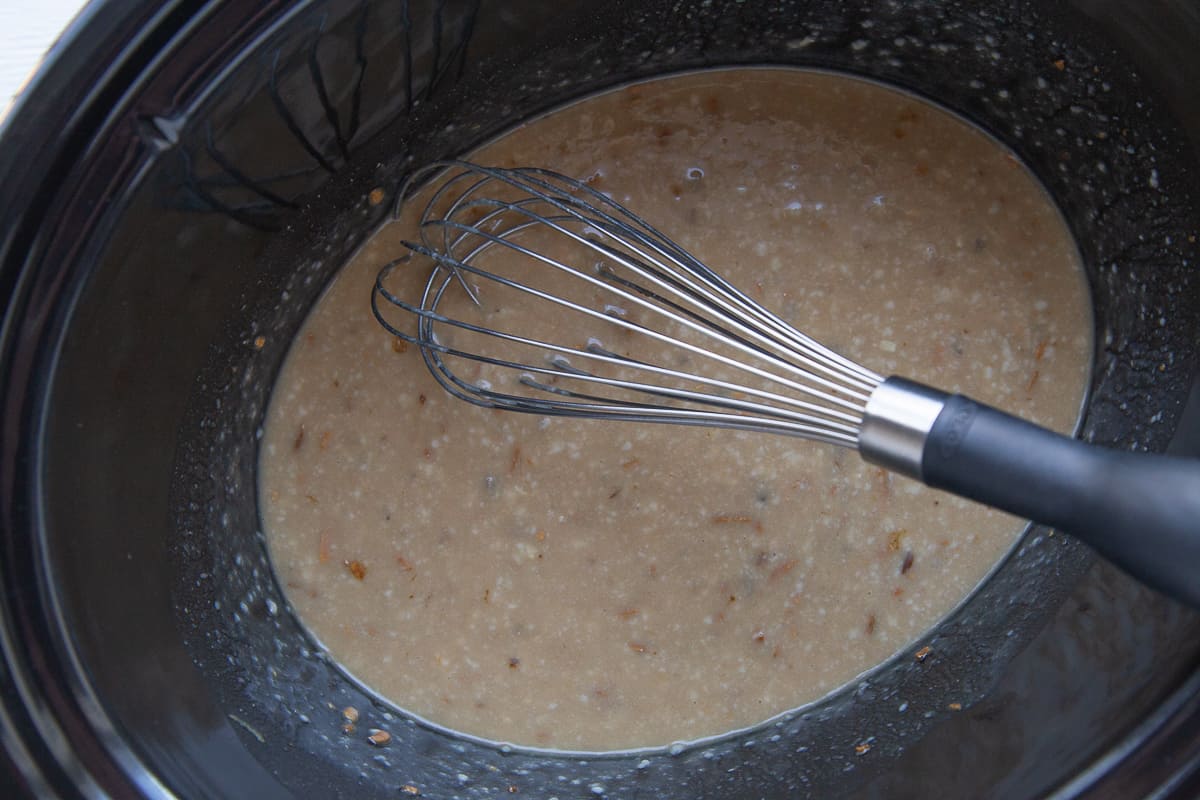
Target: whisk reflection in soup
{"type": "Point", "coordinates": [596, 586]}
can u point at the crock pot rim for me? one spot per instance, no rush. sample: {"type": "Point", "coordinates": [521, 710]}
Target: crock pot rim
{"type": "Point", "coordinates": [56, 742]}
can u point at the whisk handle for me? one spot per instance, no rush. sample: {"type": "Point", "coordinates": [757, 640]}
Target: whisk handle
{"type": "Point", "coordinates": [1141, 511]}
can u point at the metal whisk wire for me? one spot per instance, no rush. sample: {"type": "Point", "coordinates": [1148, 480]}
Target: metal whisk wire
{"type": "Point", "coordinates": [1139, 510]}
{"type": "Point", "coordinates": [793, 384]}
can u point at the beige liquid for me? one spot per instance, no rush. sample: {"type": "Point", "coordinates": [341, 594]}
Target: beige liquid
{"type": "Point", "coordinates": [592, 586]}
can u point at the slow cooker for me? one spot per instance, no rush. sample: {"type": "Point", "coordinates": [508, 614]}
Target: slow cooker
{"type": "Point", "coordinates": [183, 178]}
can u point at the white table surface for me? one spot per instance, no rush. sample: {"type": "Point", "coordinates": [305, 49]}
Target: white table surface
{"type": "Point", "coordinates": [27, 29]}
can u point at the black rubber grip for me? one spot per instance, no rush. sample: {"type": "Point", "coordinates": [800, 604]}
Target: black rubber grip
{"type": "Point", "coordinates": [1140, 511]}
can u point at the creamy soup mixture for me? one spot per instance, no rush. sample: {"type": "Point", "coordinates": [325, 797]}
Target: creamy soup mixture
{"type": "Point", "coordinates": [587, 585]}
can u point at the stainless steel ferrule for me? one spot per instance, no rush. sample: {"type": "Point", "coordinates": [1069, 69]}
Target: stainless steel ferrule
{"type": "Point", "coordinates": [900, 414]}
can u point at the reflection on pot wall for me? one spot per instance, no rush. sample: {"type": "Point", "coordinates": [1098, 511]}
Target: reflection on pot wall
{"type": "Point", "coordinates": [254, 171]}
{"type": "Point", "coordinates": [292, 113]}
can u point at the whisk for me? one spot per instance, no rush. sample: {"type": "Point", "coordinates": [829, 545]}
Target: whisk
{"type": "Point", "coordinates": [591, 312]}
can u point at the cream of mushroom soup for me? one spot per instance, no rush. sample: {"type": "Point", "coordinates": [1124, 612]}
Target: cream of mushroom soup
{"type": "Point", "coordinates": [584, 585]}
